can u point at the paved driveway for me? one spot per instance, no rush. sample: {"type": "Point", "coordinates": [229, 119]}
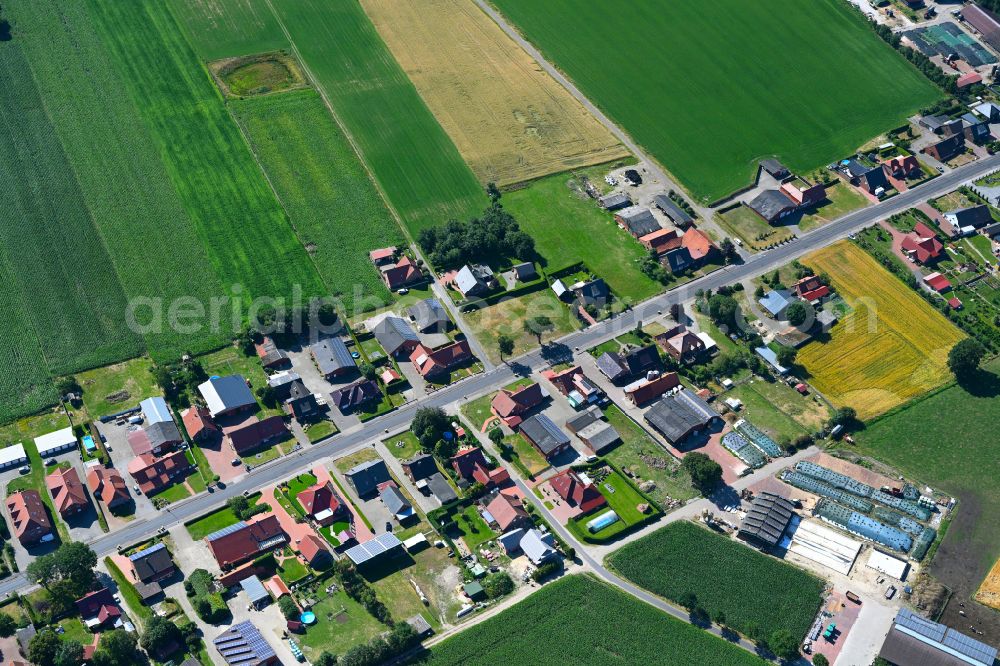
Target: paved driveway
{"type": "Point", "coordinates": [121, 455]}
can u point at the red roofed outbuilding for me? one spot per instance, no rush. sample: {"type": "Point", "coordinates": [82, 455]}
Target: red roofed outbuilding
{"type": "Point", "coordinates": [937, 282]}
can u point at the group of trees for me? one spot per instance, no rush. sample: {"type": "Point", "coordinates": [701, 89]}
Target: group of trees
{"type": "Point", "coordinates": [705, 473]}
{"type": "Point", "coordinates": [498, 585]}
{"type": "Point", "coordinates": [207, 602]}
{"type": "Point", "coordinates": [67, 574]}
{"type": "Point", "coordinates": [116, 648]}
{"type": "Point", "coordinates": [243, 509]}
{"type": "Point", "coordinates": [180, 380]}
{"type": "Point", "coordinates": [494, 235]}
{"type": "Point", "coordinates": [357, 588]}
{"type": "Point", "coordinates": [161, 636]}
{"type": "Point", "coordinates": [380, 649]}
{"type": "Point", "coordinates": [430, 425]}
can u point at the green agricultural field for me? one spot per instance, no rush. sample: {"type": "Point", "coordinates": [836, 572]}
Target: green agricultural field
{"type": "Point", "coordinates": [949, 441]}
{"type": "Point", "coordinates": [413, 160]}
{"type": "Point", "coordinates": [151, 241]}
{"type": "Point", "coordinates": [237, 218]}
{"type": "Point", "coordinates": [568, 227]}
{"type": "Point", "coordinates": [225, 28]}
{"type": "Point", "coordinates": [750, 588]}
{"type": "Point", "coordinates": [59, 266]}
{"type": "Point", "coordinates": [687, 79]}
{"type": "Point", "coordinates": [338, 214]}
{"type": "Point", "coordinates": [580, 620]}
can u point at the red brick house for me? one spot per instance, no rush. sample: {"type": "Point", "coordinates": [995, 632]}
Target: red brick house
{"type": "Point", "coordinates": [153, 474]}
{"type": "Point", "coordinates": [647, 390]}
{"type": "Point", "coordinates": [30, 519]}
{"type": "Point", "coordinates": [108, 486]}
{"type": "Point", "coordinates": [810, 289]}
{"type": "Point", "coordinates": [244, 541]}
{"type": "Point", "coordinates": [199, 424]}
{"type": "Point", "coordinates": [401, 273]}
{"type": "Point", "coordinates": [257, 434]}
{"type": "Point", "coordinates": [322, 503]}
{"type": "Point", "coordinates": [431, 363]}
{"type": "Point", "coordinates": [68, 494]}
{"type": "Point", "coordinates": [508, 513]}
{"type": "Point", "coordinates": [511, 406]}
{"type": "Point", "coordinates": [584, 496]}
{"type": "Point", "coordinates": [922, 245]}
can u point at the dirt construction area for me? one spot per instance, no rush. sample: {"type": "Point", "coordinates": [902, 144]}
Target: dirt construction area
{"type": "Point", "coordinates": [510, 120]}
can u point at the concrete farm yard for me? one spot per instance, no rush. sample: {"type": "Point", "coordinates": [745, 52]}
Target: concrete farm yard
{"type": "Point", "coordinates": [648, 70]}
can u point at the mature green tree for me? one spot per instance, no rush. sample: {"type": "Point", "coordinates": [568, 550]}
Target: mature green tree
{"type": "Point", "coordinates": [7, 625]}
{"type": "Point", "coordinates": [538, 325]}
{"type": "Point", "coordinates": [705, 473]}
{"type": "Point", "coordinates": [723, 310]}
{"type": "Point", "coordinates": [429, 425]}
{"type": "Point", "coordinates": [492, 191]}
{"type": "Point", "coordinates": [784, 645]}
{"type": "Point", "coordinates": [505, 344]}
{"type": "Point", "coordinates": [688, 601]}
{"type": "Point", "coordinates": [328, 658]}
{"type": "Point", "coordinates": [498, 585]}
{"type": "Point", "coordinates": [965, 357]}
{"type": "Point", "coordinates": [496, 435]}
{"type": "Point", "coordinates": [367, 370]}
{"type": "Point", "coordinates": [43, 648]}
{"type": "Point", "coordinates": [796, 313]}
{"type": "Point", "coordinates": [845, 416]}
{"type": "Point", "coordinates": [117, 648]}
{"type": "Point", "coordinates": [71, 565]}
{"type": "Point", "coordinates": [159, 635]}
{"type": "Point", "coordinates": [70, 653]}
{"type": "Point", "coordinates": [787, 355]}
{"type": "Point", "coordinates": [821, 660]}
{"type": "Point", "coordinates": [288, 607]}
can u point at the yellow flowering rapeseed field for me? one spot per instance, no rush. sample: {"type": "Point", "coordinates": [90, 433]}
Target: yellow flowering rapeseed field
{"type": "Point", "coordinates": [890, 348]}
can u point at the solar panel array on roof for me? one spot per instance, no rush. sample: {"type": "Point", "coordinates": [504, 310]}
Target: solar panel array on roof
{"type": "Point", "coordinates": [243, 644]}
{"type": "Point", "coordinates": [373, 548]}
{"type": "Point", "coordinates": [944, 637]}
{"type": "Point", "coordinates": [226, 531]}
{"type": "Point", "coordinates": [817, 487]}
{"type": "Point", "coordinates": [767, 445]}
{"type": "Point", "coordinates": [146, 552]}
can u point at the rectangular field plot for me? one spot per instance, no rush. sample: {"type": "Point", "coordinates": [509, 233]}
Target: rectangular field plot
{"type": "Point", "coordinates": [580, 620]}
{"type": "Point", "coordinates": [411, 157]}
{"type": "Point", "coordinates": [227, 28]}
{"type": "Point", "coordinates": [338, 214]}
{"type": "Point", "coordinates": [237, 217]}
{"type": "Point", "coordinates": [509, 119]}
{"type": "Point", "coordinates": [57, 263]}
{"type": "Point", "coordinates": [750, 588]}
{"type": "Point", "coordinates": [150, 239]}
{"type": "Point", "coordinates": [892, 347]}
{"type": "Point", "coordinates": [708, 88]}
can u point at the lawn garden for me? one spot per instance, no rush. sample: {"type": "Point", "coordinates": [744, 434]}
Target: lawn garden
{"type": "Point", "coordinates": [581, 620]}
{"type": "Point", "coordinates": [623, 498]}
{"type": "Point", "coordinates": [224, 517]}
{"type": "Point", "coordinates": [508, 316]}
{"type": "Point", "coordinates": [758, 594]}
{"type": "Point", "coordinates": [674, 94]}
{"type": "Point", "coordinates": [779, 410]}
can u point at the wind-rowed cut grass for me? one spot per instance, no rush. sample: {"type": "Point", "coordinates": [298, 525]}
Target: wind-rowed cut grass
{"type": "Point", "coordinates": [151, 241]}
{"type": "Point", "coordinates": [708, 88]}
{"type": "Point", "coordinates": [338, 213]}
{"type": "Point", "coordinates": [239, 221]}
{"type": "Point", "coordinates": [411, 157]}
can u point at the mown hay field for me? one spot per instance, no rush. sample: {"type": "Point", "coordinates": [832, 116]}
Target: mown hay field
{"type": "Point", "coordinates": [753, 590]}
{"type": "Point", "coordinates": [890, 348]}
{"type": "Point", "coordinates": [580, 620]}
{"type": "Point", "coordinates": [337, 212]}
{"type": "Point", "coordinates": [509, 119]}
{"type": "Point", "coordinates": [411, 157]}
{"type": "Point", "coordinates": [708, 88]}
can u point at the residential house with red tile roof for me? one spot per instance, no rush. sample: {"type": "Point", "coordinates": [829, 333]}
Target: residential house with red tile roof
{"type": "Point", "coordinates": [322, 503]}
{"type": "Point", "coordinates": [937, 282]}
{"type": "Point", "coordinates": [402, 273]}
{"type": "Point", "coordinates": [511, 406]}
{"type": "Point", "coordinates": [803, 197]}
{"type": "Point", "coordinates": [270, 356]}
{"type": "Point", "coordinates": [257, 434]}
{"type": "Point", "coordinates": [810, 289]}
{"type": "Point", "coordinates": [199, 424]}
{"type": "Point", "coordinates": [922, 245]}
{"type": "Point", "coordinates": [244, 541]}
{"type": "Point", "coordinates": [661, 240]}
{"type": "Point", "coordinates": [68, 494]}
{"type": "Point", "coordinates": [506, 513]}
{"type": "Point", "coordinates": [314, 551]}
{"type": "Point", "coordinates": [431, 363]}
{"type": "Point", "coordinates": [683, 346]}
{"type": "Point", "coordinates": [699, 245]}
{"type": "Point", "coordinates": [577, 492]}
{"type": "Point", "coordinates": [29, 517]}
{"type": "Point", "coordinates": [108, 486]}
{"type": "Point", "coordinates": [153, 474]}
{"type": "Point", "coordinates": [903, 166]}
{"type": "Point", "coordinates": [470, 464]}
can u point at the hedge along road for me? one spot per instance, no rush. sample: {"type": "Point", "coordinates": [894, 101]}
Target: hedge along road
{"type": "Point", "coordinates": [400, 419]}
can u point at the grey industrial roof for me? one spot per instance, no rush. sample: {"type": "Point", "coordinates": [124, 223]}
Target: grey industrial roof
{"type": "Point", "coordinates": [162, 432]}
{"type": "Point", "coordinates": [599, 435]}
{"type": "Point", "coordinates": [429, 313]}
{"type": "Point", "coordinates": [223, 394]}
{"type": "Point", "coordinates": [374, 547]}
{"type": "Point", "coordinates": [440, 488]}
{"type": "Point", "coordinates": [537, 546]}
{"type": "Point", "coordinates": [546, 435]}
{"type": "Point", "coordinates": [584, 418]}
{"type": "Point", "coordinates": [243, 645]}
{"type": "Point", "coordinates": [767, 519]}
{"type": "Point", "coordinates": [639, 220]}
{"type": "Point", "coordinates": [676, 214]}
{"type": "Point", "coordinates": [915, 640]}
{"type": "Point", "coordinates": [254, 589]}
{"type": "Point", "coordinates": [615, 201]}
{"type": "Point", "coordinates": [676, 416]}
{"type": "Point", "coordinates": [394, 501]}
{"type": "Point", "coordinates": [332, 355]}
{"type": "Point", "coordinates": [691, 400]}
{"type": "Point", "coordinates": [770, 203]}
{"type": "Point", "coordinates": [393, 332]}
{"type": "Point", "coordinates": [155, 410]}
{"type": "Point", "coordinates": [421, 466]}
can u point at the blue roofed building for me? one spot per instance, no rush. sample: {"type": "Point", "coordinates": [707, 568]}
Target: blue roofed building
{"type": "Point", "coordinates": [776, 302]}
{"type": "Point", "coordinates": [155, 410]}
{"type": "Point", "coordinates": [332, 357]}
{"type": "Point", "coordinates": [771, 358]}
